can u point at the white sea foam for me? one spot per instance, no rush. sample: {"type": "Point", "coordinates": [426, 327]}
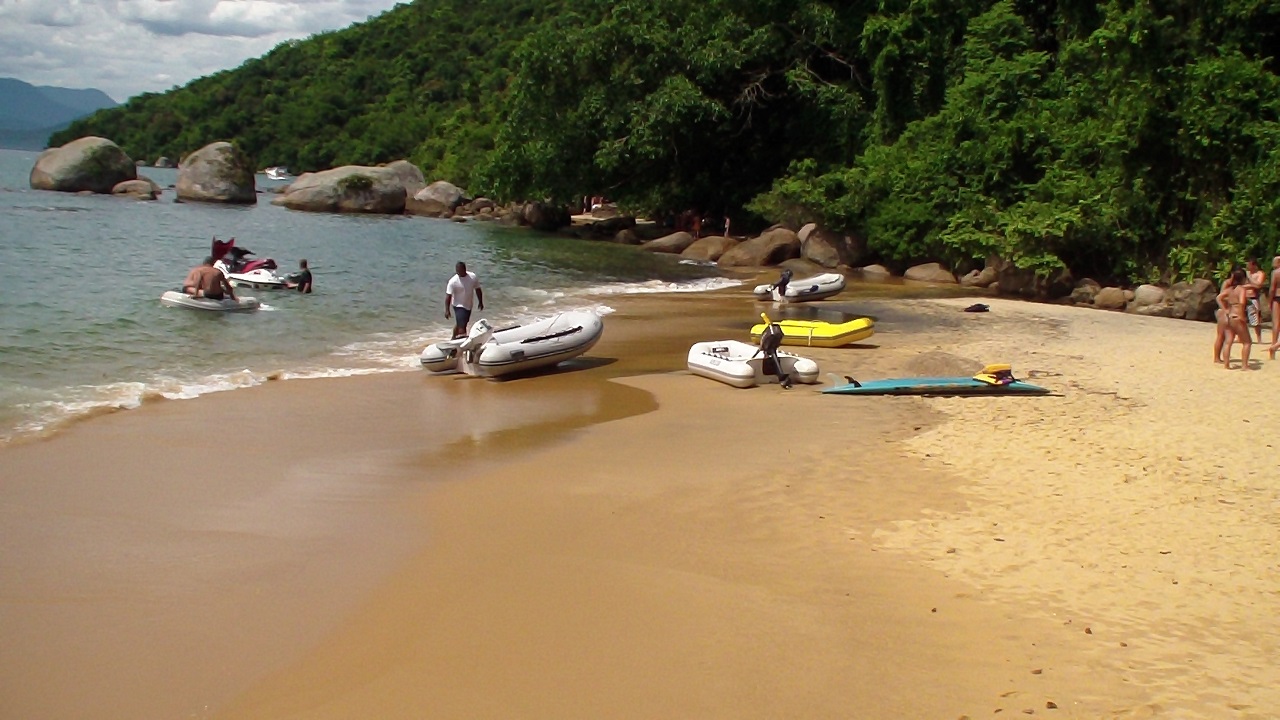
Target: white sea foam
{"type": "Point", "coordinates": [661, 286]}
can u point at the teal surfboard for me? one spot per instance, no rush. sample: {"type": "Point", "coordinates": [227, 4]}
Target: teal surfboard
{"type": "Point", "coordinates": [935, 386]}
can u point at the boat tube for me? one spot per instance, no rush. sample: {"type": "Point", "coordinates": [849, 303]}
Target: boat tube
{"type": "Point", "coordinates": [818, 287]}
{"type": "Point", "coordinates": [817, 333]}
{"type": "Point", "coordinates": [486, 352]}
{"type": "Point", "coordinates": [177, 298]}
{"type": "Point", "coordinates": [743, 365]}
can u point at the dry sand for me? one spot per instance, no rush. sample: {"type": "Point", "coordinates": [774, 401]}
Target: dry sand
{"type": "Point", "coordinates": [626, 540]}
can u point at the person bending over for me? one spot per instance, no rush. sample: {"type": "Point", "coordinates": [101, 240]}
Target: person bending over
{"type": "Point", "coordinates": [459, 294]}
{"type": "Point", "coordinates": [207, 281]}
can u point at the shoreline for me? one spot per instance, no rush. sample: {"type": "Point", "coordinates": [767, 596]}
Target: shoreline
{"type": "Point", "coordinates": [663, 545]}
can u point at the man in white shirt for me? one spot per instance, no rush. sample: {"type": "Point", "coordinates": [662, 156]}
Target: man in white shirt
{"type": "Point", "coordinates": [462, 289]}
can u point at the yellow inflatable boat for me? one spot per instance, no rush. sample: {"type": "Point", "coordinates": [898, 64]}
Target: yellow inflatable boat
{"type": "Point", "coordinates": [816, 333]}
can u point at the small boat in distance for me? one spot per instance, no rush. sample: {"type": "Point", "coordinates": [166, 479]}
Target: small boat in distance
{"type": "Point", "coordinates": [277, 172]}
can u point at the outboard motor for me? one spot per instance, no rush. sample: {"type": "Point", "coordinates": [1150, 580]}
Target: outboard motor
{"type": "Point", "coordinates": [781, 286]}
{"type": "Point", "coordinates": [481, 333]}
{"type": "Point", "coordinates": [770, 341]}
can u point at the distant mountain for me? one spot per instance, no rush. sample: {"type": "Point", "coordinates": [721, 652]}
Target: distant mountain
{"type": "Point", "coordinates": [30, 113]}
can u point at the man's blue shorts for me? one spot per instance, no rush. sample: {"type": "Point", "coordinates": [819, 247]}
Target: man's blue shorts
{"type": "Point", "coordinates": [461, 316]}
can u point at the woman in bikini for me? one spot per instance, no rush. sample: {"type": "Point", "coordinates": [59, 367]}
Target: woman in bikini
{"type": "Point", "coordinates": [1223, 336]}
{"type": "Point", "coordinates": [1232, 301]}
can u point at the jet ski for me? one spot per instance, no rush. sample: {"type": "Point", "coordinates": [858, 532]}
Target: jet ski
{"type": "Point", "coordinates": [241, 271]}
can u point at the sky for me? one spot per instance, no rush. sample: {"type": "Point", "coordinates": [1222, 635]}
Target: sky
{"type": "Point", "coordinates": [127, 47]}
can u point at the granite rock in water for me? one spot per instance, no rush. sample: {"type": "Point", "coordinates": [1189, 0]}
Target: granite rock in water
{"type": "Point", "coordinates": [91, 164]}
{"type": "Point", "coordinates": [351, 188]}
{"type": "Point", "coordinates": [217, 173]}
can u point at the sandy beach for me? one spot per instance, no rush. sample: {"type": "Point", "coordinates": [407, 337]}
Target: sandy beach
{"type": "Point", "coordinates": [621, 539]}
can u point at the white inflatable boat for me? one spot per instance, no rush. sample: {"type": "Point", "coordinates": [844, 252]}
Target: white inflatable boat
{"type": "Point", "coordinates": [818, 287]}
{"type": "Point", "coordinates": [744, 365]}
{"type": "Point", "coordinates": [486, 352]}
{"type": "Point", "coordinates": [176, 298]}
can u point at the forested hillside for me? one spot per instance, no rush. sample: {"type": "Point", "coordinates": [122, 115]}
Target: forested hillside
{"type": "Point", "coordinates": [1120, 139]}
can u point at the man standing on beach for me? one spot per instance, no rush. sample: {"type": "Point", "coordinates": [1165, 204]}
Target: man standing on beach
{"type": "Point", "coordinates": [459, 294]}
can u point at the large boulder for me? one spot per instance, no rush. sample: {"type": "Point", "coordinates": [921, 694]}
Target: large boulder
{"type": "Point", "coordinates": [140, 189]}
{"type": "Point", "coordinates": [1085, 291]}
{"type": "Point", "coordinates": [1014, 280]}
{"type": "Point", "coordinates": [1146, 296]}
{"type": "Point", "coordinates": [676, 242]}
{"type": "Point", "coordinates": [1110, 298]}
{"type": "Point", "coordinates": [711, 248]}
{"type": "Point", "coordinates": [90, 164]}
{"type": "Point", "coordinates": [773, 247]}
{"type": "Point", "coordinates": [351, 188]}
{"type": "Point", "coordinates": [1196, 300]}
{"type": "Point", "coordinates": [931, 273]}
{"type": "Point", "coordinates": [445, 193]}
{"type": "Point", "coordinates": [407, 174]}
{"type": "Point", "coordinates": [217, 173]}
{"type": "Point", "coordinates": [829, 248]}
{"type": "Point", "coordinates": [545, 216]}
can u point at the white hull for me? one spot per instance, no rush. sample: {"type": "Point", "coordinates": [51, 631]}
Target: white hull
{"type": "Point", "coordinates": [277, 173]}
{"type": "Point", "coordinates": [818, 287]}
{"type": "Point", "coordinates": [257, 280]}
{"type": "Point", "coordinates": [494, 353]}
{"type": "Point", "coordinates": [174, 298]}
{"type": "Point", "coordinates": [742, 365]}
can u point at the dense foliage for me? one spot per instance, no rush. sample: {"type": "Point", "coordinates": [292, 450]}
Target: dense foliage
{"type": "Point", "coordinates": [1126, 139]}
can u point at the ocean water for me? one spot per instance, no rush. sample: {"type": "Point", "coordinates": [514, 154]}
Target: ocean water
{"type": "Point", "coordinates": [82, 328]}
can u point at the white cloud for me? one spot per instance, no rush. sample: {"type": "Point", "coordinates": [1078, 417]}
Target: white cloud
{"type": "Point", "coordinates": [126, 47]}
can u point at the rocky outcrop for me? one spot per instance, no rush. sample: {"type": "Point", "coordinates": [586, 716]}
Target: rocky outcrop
{"type": "Point", "coordinates": [140, 189]}
{"type": "Point", "coordinates": [930, 273]}
{"type": "Point", "coordinates": [773, 247]}
{"type": "Point", "coordinates": [1110, 298]}
{"type": "Point", "coordinates": [829, 248]}
{"type": "Point", "coordinates": [349, 189]}
{"type": "Point", "coordinates": [407, 174]}
{"type": "Point", "coordinates": [676, 242]}
{"type": "Point", "coordinates": [545, 216]}
{"type": "Point", "coordinates": [217, 173]}
{"type": "Point", "coordinates": [1085, 291]}
{"type": "Point", "coordinates": [1146, 296]}
{"type": "Point", "coordinates": [710, 248]}
{"type": "Point", "coordinates": [89, 164]}
{"type": "Point", "coordinates": [875, 272]}
{"type": "Point", "coordinates": [1196, 300]}
{"type": "Point", "coordinates": [441, 194]}
{"type": "Point", "coordinates": [980, 278]}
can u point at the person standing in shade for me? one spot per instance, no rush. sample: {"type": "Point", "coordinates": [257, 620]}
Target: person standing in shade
{"type": "Point", "coordinates": [460, 294]}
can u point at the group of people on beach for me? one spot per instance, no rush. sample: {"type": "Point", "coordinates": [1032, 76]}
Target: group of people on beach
{"type": "Point", "coordinates": [1240, 312]}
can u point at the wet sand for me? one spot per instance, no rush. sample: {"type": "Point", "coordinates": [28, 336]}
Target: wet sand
{"type": "Point", "coordinates": [622, 539]}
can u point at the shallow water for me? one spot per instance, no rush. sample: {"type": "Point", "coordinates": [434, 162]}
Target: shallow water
{"type": "Point", "coordinates": [81, 326]}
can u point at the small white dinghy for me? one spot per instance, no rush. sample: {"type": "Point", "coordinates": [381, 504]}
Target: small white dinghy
{"type": "Point", "coordinates": [486, 352]}
{"type": "Point", "coordinates": [176, 298]}
{"type": "Point", "coordinates": [744, 365]}
{"type": "Point", "coordinates": [818, 287]}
